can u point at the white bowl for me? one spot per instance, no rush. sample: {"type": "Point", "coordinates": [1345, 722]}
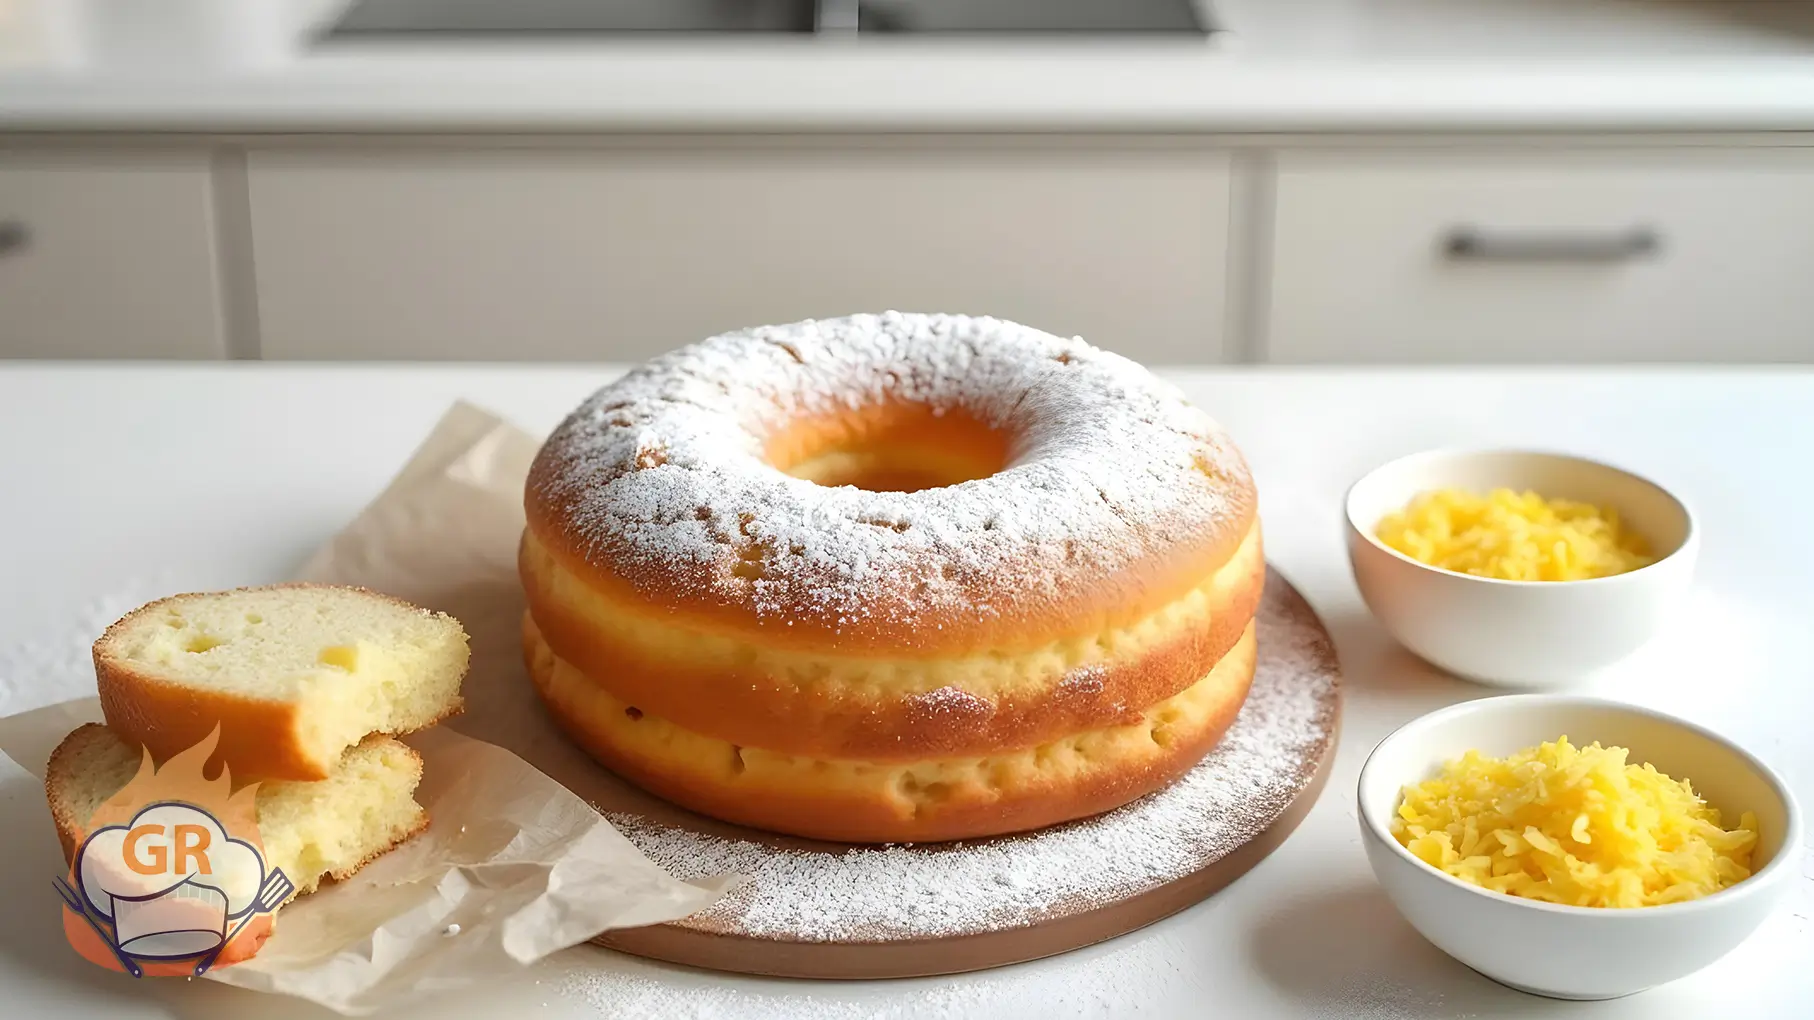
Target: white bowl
{"type": "Point", "coordinates": [1527, 634]}
{"type": "Point", "coordinates": [1577, 952]}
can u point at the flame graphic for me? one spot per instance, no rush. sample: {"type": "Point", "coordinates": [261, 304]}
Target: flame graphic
{"type": "Point", "coordinates": [182, 779]}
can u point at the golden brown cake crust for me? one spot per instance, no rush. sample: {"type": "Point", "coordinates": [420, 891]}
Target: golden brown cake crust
{"type": "Point", "coordinates": [694, 597]}
{"type": "Point", "coordinates": [752, 703]}
{"type": "Point", "coordinates": [57, 776]}
{"type": "Point", "coordinates": [864, 803]}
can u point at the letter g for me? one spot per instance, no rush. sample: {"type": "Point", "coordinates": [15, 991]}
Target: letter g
{"type": "Point", "coordinates": [159, 856]}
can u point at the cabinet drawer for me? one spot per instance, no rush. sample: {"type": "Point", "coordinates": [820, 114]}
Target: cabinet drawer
{"type": "Point", "coordinates": [608, 255]}
{"type": "Point", "coordinates": [107, 255]}
{"type": "Point", "coordinates": [1532, 257]}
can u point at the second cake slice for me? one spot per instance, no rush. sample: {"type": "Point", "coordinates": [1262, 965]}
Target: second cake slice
{"type": "Point", "coordinates": [313, 831]}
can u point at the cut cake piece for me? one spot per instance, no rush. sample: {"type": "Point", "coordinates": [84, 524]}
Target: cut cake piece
{"type": "Point", "coordinates": [312, 831]}
{"type": "Point", "coordinates": [293, 674]}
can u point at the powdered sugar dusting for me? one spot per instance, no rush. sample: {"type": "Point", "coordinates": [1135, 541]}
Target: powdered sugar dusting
{"type": "Point", "coordinates": [891, 893]}
{"type": "Point", "coordinates": [1083, 682]}
{"type": "Point", "coordinates": [948, 703]}
{"type": "Point", "coordinates": [662, 473]}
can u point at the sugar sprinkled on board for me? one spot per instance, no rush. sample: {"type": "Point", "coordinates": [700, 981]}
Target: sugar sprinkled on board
{"type": "Point", "coordinates": [894, 892]}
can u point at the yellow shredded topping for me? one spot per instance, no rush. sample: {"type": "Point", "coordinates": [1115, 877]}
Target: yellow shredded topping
{"type": "Point", "coordinates": [1515, 536]}
{"type": "Point", "coordinates": [1572, 825]}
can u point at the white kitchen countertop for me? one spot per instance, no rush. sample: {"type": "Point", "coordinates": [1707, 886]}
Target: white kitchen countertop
{"type": "Point", "coordinates": [123, 483]}
{"type": "Point", "coordinates": [1282, 65]}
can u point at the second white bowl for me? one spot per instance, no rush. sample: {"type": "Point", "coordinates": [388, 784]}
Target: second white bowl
{"type": "Point", "coordinates": [1564, 951]}
{"type": "Point", "coordinates": [1528, 634]}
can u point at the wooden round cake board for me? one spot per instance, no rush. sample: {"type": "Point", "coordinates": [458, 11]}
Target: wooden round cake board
{"type": "Point", "coordinates": [1297, 669]}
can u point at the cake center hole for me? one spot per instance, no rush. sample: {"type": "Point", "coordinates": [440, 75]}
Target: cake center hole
{"type": "Point", "coordinates": [894, 447]}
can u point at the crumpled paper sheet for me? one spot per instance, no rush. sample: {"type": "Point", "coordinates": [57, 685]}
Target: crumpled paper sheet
{"type": "Point", "coordinates": [523, 865]}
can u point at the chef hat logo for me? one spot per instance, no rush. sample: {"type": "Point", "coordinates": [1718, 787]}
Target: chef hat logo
{"type": "Point", "coordinates": [170, 880]}
{"type": "Point", "coordinates": [171, 871]}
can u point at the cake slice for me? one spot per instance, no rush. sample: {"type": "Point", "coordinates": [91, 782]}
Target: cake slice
{"type": "Point", "coordinates": [293, 675]}
{"type": "Point", "coordinates": [310, 830]}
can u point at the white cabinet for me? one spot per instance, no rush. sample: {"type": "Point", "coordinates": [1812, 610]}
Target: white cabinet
{"type": "Point", "coordinates": [619, 254]}
{"type": "Point", "coordinates": [616, 249]}
{"type": "Point", "coordinates": [1543, 256]}
{"type": "Point", "coordinates": [108, 254]}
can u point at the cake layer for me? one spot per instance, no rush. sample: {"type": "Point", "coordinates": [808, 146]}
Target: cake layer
{"type": "Point", "coordinates": [941, 798]}
{"type": "Point", "coordinates": [1089, 494]}
{"type": "Point", "coordinates": [888, 707]}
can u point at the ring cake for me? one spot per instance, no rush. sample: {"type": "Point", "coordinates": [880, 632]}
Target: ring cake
{"type": "Point", "coordinates": [893, 578]}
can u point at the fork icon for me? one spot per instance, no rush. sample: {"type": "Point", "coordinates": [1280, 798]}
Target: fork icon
{"type": "Point", "coordinates": [74, 902]}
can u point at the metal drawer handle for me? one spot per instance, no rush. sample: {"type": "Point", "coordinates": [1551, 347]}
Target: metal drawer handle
{"type": "Point", "coordinates": [1550, 246]}
{"type": "Point", "coordinates": [13, 236]}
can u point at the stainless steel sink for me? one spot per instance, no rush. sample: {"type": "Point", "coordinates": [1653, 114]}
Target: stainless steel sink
{"type": "Point", "coordinates": [1102, 17]}
{"type": "Point", "coordinates": [515, 17]}
{"type": "Point", "coordinates": [395, 18]}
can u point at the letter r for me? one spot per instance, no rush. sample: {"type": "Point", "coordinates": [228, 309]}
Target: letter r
{"type": "Point", "coordinates": [192, 841]}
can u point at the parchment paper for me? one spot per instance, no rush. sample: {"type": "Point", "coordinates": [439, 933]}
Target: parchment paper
{"type": "Point", "coordinates": [523, 865]}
